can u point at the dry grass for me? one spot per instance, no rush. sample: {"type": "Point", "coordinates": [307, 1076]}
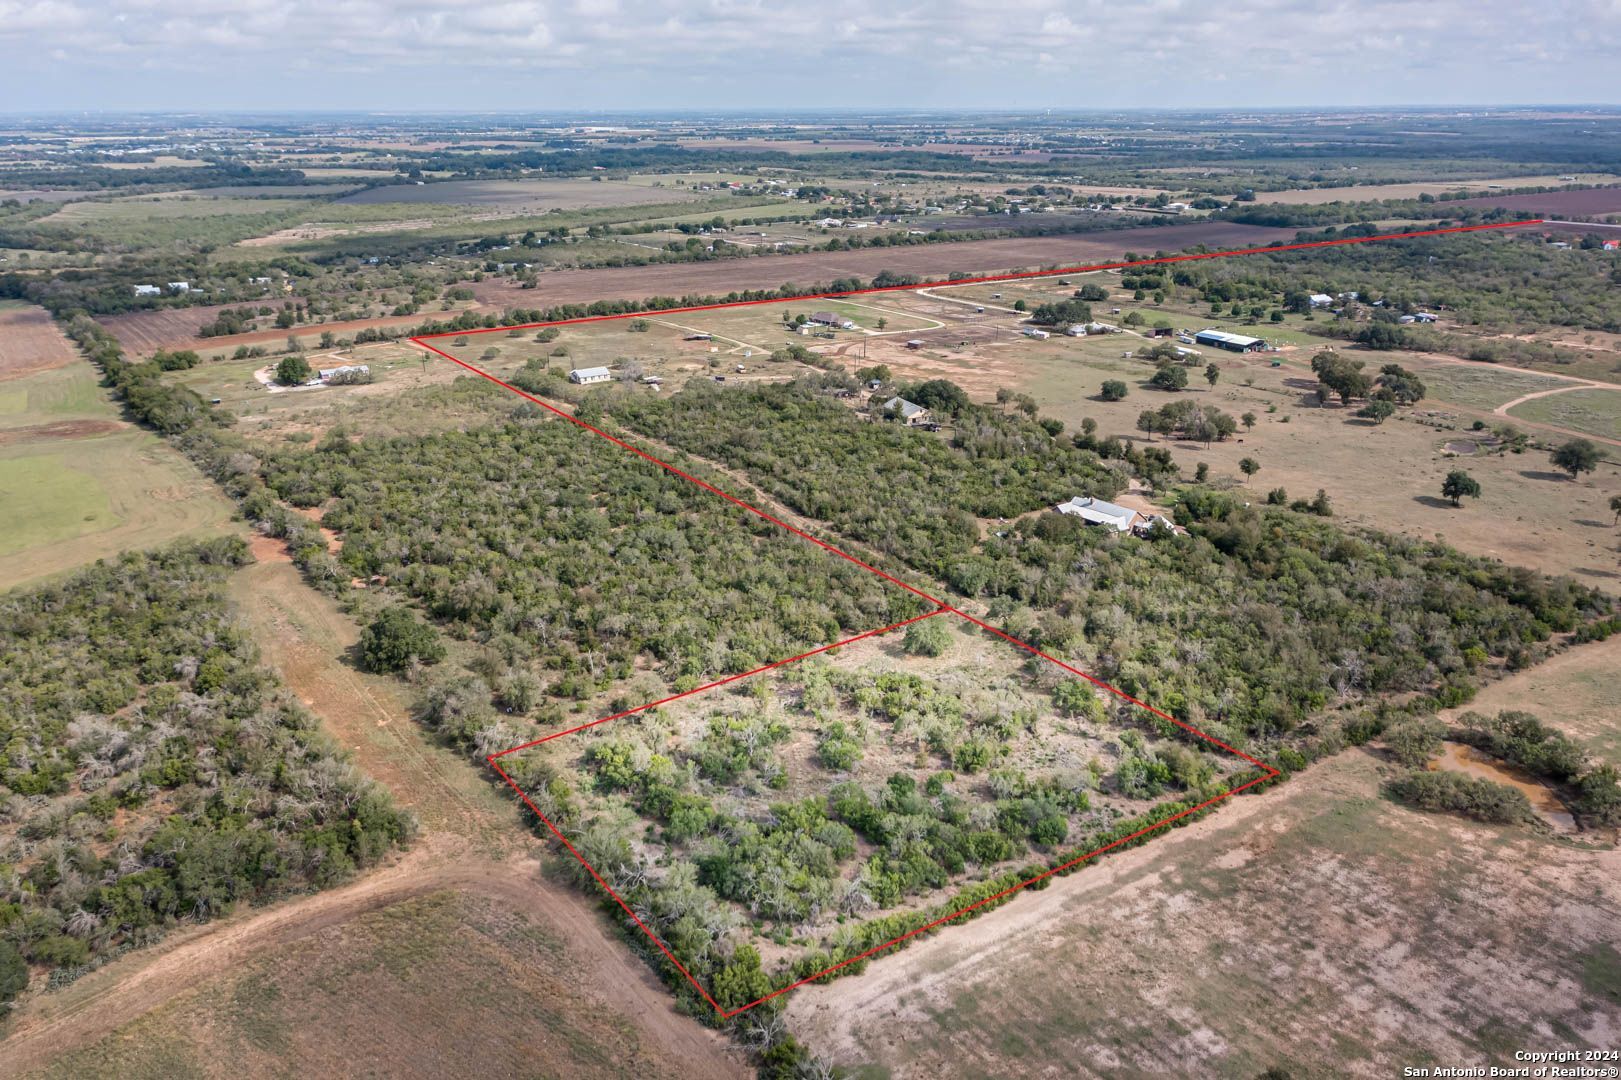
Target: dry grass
{"type": "Point", "coordinates": [430, 986]}
{"type": "Point", "coordinates": [1317, 928]}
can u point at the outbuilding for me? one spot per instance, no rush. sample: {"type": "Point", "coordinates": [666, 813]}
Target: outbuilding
{"type": "Point", "coordinates": [587, 376]}
{"type": "Point", "coordinates": [1220, 339]}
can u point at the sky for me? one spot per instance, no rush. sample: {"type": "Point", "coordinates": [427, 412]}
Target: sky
{"type": "Point", "coordinates": [544, 55]}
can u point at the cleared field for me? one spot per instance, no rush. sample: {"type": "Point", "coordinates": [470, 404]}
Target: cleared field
{"type": "Point", "coordinates": [969, 257]}
{"type": "Point", "coordinates": [144, 332]}
{"type": "Point", "coordinates": [1593, 202]}
{"type": "Point", "coordinates": [737, 329]}
{"type": "Point", "coordinates": [30, 341]}
{"type": "Point", "coordinates": [1382, 932]}
{"type": "Point", "coordinates": [1365, 192]}
{"type": "Point", "coordinates": [1594, 412]}
{"type": "Point", "coordinates": [70, 500]}
{"type": "Point", "coordinates": [1481, 386]}
{"type": "Point", "coordinates": [409, 990]}
{"type": "Point", "coordinates": [526, 194]}
{"type": "Point", "coordinates": [78, 483]}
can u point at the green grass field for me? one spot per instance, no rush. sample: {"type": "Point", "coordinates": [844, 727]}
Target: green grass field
{"type": "Point", "coordinates": [47, 500]}
{"type": "Point", "coordinates": [1481, 387]}
{"type": "Point", "coordinates": [70, 501]}
{"type": "Point", "coordinates": [89, 485]}
{"type": "Point", "coordinates": [1595, 412]}
{"type": "Point", "coordinates": [65, 393]}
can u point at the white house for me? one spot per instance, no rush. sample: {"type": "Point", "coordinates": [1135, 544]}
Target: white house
{"type": "Point", "coordinates": [1097, 512]}
{"type": "Point", "coordinates": [1321, 299]}
{"type": "Point", "coordinates": [180, 286]}
{"type": "Point", "coordinates": [587, 376]}
{"type": "Point", "coordinates": [148, 290]}
{"type": "Point", "coordinates": [347, 369]}
{"type": "Point", "coordinates": [1039, 335]}
{"type": "Point", "coordinates": [828, 318]}
{"type": "Point", "coordinates": [907, 411]}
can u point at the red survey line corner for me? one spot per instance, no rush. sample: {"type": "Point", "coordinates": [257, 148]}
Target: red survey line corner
{"type": "Point", "coordinates": [941, 607]}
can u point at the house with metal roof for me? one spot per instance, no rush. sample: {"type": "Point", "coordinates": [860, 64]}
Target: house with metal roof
{"type": "Point", "coordinates": [908, 411]}
{"type": "Point", "coordinates": [587, 376]}
{"type": "Point", "coordinates": [1097, 512]}
{"type": "Point", "coordinates": [1220, 339]}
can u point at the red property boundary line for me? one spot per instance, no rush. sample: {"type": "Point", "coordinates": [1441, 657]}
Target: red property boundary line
{"type": "Point", "coordinates": [941, 606]}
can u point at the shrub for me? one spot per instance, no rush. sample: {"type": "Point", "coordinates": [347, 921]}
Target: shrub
{"type": "Point", "coordinates": [1455, 793]}
{"type": "Point", "coordinates": [927, 638]}
{"type": "Point", "coordinates": [1413, 742]}
{"type": "Point", "coordinates": [1113, 390]}
{"type": "Point", "coordinates": [13, 972]}
{"type": "Point", "coordinates": [394, 639]}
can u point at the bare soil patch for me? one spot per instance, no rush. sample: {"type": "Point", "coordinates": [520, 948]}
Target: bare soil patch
{"type": "Point", "coordinates": [1394, 938]}
{"type": "Point", "coordinates": [30, 342]}
{"type": "Point", "coordinates": [933, 260]}
{"type": "Point", "coordinates": [60, 429]}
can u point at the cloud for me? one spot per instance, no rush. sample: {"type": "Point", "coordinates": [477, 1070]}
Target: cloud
{"type": "Point", "coordinates": [753, 54]}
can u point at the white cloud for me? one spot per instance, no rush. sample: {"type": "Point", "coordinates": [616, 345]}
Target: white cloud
{"type": "Point", "coordinates": [581, 54]}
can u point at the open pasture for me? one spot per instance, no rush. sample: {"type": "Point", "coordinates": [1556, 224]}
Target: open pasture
{"type": "Point", "coordinates": [1591, 412]}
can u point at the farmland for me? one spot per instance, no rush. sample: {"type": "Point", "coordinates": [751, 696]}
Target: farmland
{"type": "Point", "coordinates": [932, 260]}
{"type": "Point", "coordinates": [77, 483]}
{"type": "Point", "coordinates": [531, 196]}
{"type": "Point", "coordinates": [29, 341]}
{"type": "Point", "coordinates": [783, 713]}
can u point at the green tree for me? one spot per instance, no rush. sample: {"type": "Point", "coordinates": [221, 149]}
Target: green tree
{"type": "Point", "coordinates": [1576, 457]}
{"type": "Point", "coordinates": [1249, 420]}
{"type": "Point", "coordinates": [1249, 467]}
{"type": "Point", "coordinates": [1615, 508]}
{"type": "Point", "coordinates": [293, 371]}
{"type": "Point", "coordinates": [929, 637]}
{"type": "Point", "coordinates": [395, 638]}
{"type": "Point", "coordinates": [1113, 390]}
{"type": "Point", "coordinates": [1341, 375]}
{"type": "Point", "coordinates": [1458, 484]}
{"type": "Point", "coordinates": [1212, 373]}
{"type": "Point", "coordinates": [1378, 410]}
{"type": "Point", "coordinates": [13, 972]}
{"type": "Point", "coordinates": [1170, 377]}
